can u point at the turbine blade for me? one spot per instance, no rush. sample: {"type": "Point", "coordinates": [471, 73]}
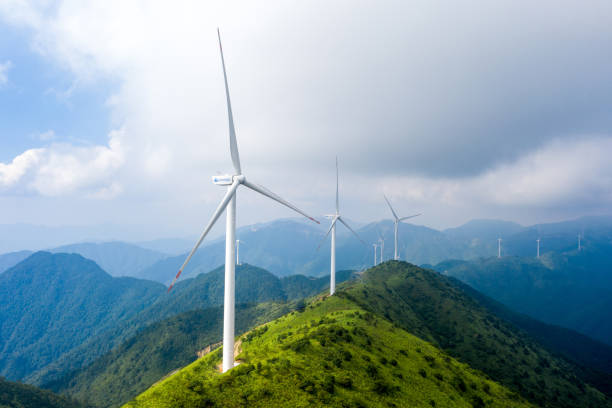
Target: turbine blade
{"type": "Point", "coordinates": [215, 217]}
{"type": "Point", "coordinates": [393, 211]}
{"type": "Point", "coordinates": [328, 231]}
{"type": "Point", "coordinates": [410, 216]}
{"type": "Point", "coordinates": [269, 194]}
{"type": "Point", "coordinates": [232, 132]}
{"type": "Point", "coordinates": [337, 201]}
{"type": "Point", "coordinates": [350, 229]}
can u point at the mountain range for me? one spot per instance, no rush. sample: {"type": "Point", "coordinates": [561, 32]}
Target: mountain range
{"type": "Point", "coordinates": [393, 337]}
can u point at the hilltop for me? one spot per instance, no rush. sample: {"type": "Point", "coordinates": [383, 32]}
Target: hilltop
{"type": "Point", "coordinates": [394, 304]}
{"type": "Point", "coordinates": [332, 354]}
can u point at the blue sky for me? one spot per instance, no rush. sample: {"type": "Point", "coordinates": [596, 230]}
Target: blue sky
{"type": "Point", "coordinates": [35, 101]}
{"type": "Point", "coordinates": [473, 110]}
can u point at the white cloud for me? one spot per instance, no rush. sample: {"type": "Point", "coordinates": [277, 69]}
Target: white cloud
{"type": "Point", "coordinates": [64, 169]}
{"type": "Point", "coordinates": [456, 106]}
{"type": "Point", "coordinates": [4, 68]}
{"type": "Point", "coordinates": [571, 174]}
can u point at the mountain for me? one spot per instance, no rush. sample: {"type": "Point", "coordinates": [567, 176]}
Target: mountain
{"type": "Point", "coordinates": [572, 289]}
{"type": "Point", "coordinates": [253, 285]}
{"type": "Point", "coordinates": [116, 258]}
{"type": "Point", "coordinates": [52, 303]}
{"type": "Point", "coordinates": [392, 338]}
{"type": "Point", "coordinates": [592, 358]}
{"type": "Point", "coordinates": [284, 247]}
{"type": "Point", "coordinates": [172, 343]}
{"type": "Point", "coordinates": [26, 396]}
{"type": "Point", "coordinates": [155, 351]}
{"type": "Point", "coordinates": [437, 310]}
{"type": "Point", "coordinates": [12, 258]}
{"type": "Point", "coordinates": [332, 354]}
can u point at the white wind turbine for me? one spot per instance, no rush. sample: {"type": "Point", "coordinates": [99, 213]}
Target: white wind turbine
{"type": "Point", "coordinates": [538, 253]}
{"type": "Point", "coordinates": [381, 240]}
{"type": "Point", "coordinates": [499, 240]}
{"type": "Point", "coordinates": [396, 222]}
{"type": "Point", "coordinates": [228, 203]}
{"type": "Point", "coordinates": [375, 253]}
{"type": "Point", "coordinates": [238, 251]}
{"type": "Point", "coordinates": [332, 228]}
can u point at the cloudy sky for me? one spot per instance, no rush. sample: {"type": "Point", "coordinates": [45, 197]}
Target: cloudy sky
{"type": "Point", "coordinates": [114, 111]}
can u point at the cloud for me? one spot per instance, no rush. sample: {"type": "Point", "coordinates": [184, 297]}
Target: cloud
{"type": "Point", "coordinates": [563, 176]}
{"type": "Point", "coordinates": [64, 169]}
{"type": "Point", "coordinates": [4, 68]}
{"type": "Point", "coordinates": [461, 106]}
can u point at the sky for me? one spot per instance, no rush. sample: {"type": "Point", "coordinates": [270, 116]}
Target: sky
{"type": "Point", "coordinates": [113, 112]}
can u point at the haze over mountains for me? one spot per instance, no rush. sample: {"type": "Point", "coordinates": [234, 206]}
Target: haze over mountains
{"type": "Point", "coordinates": [288, 246]}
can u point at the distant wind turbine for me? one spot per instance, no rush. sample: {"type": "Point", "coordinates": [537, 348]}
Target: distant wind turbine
{"type": "Point", "coordinates": [228, 202]}
{"type": "Point", "coordinates": [396, 221]}
{"type": "Point", "coordinates": [538, 253]}
{"type": "Point", "coordinates": [238, 251]}
{"type": "Point", "coordinates": [382, 247]}
{"type": "Point", "coordinates": [579, 247]}
{"type": "Point", "coordinates": [499, 240]}
{"type": "Point", "coordinates": [332, 228]}
{"type": "Point", "coordinates": [375, 253]}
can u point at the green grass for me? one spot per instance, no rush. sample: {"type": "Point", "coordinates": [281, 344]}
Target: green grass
{"type": "Point", "coordinates": [333, 354]}
{"type": "Point", "coordinates": [434, 308]}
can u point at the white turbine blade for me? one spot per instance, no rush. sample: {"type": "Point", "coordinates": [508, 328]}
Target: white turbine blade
{"type": "Point", "coordinates": [410, 216]}
{"type": "Point", "coordinates": [393, 211]}
{"type": "Point", "coordinates": [232, 131]}
{"type": "Point", "coordinates": [337, 201]}
{"type": "Point", "coordinates": [350, 229]}
{"type": "Point", "coordinates": [216, 214]}
{"type": "Point", "coordinates": [262, 190]}
{"type": "Point", "coordinates": [328, 231]}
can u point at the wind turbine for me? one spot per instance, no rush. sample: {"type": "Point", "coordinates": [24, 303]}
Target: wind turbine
{"type": "Point", "coordinates": [232, 181]}
{"type": "Point", "coordinates": [375, 253]}
{"type": "Point", "coordinates": [396, 224]}
{"type": "Point", "coordinates": [238, 251]}
{"type": "Point", "coordinates": [499, 240]}
{"type": "Point", "coordinates": [579, 247]}
{"type": "Point", "coordinates": [538, 253]}
{"type": "Point", "coordinates": [381, 240]}
{"type": "Point", "coordinates": [332, 228]}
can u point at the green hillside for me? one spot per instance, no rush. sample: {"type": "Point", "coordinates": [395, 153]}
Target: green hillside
{"type": "Point", "coordinates": [432, 307]}
{"type": "Point", "coordinates": [572, 289]}
{"type": "Point", "coordinates": [156, 351]}
{"type": "Point", "coordinates": [52, 303]}
{"type": "Point", "coordinates": [17, 395]}
{"type": "Point", "coordinates": [332, 354]}
{"type": "Point", "coordinates": [253, 285]}
{"type": "Point", "coordinates": [161, 347]}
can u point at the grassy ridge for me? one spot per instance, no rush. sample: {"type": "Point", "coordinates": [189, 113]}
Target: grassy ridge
{"type": "Point", "coordinates": [434, 308]}
{"type": "Point", "coordinates": [332, 354]}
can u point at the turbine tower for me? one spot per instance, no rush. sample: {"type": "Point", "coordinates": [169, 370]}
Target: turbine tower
{"type": "Point", "coordinates": [228, 203]}
{"type": "Point", "coordinates": [538, 253]}
{"type": "Point", "coordinates": [579, 247]}
{"type": "Point", "coordinates": [375, 253]}
{"type": "Point", "coordinates": [499, 240]}
{"type": "Point", "coordinates": [332, 228]}
{"type": "Point", "coordinates": [381, 240]}
{"type": "Point", "coordinates": [238, 251]}
{"type": "Point", "coordinates": [396, 221]}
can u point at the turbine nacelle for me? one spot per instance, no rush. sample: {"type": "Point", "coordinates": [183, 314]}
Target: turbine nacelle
{"type": "Point", "coordinates": [227, 179]}
{"type": "Point", "coordinates": [223, 180]}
